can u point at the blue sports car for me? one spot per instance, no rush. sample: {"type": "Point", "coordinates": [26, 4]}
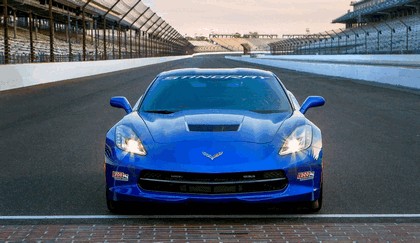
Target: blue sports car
{"type": "Point", "coordinates": [214, 136]}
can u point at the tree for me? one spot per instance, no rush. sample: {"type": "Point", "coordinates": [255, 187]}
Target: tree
{"type": "Point", "coordinates": [236, 35]}
{"type": "Point", "coordinates": [253, 34]}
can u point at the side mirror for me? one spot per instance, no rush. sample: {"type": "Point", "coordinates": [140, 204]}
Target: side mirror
{"type": "Point", "coordinates": [311, 101]}
{"type": "Point", "coordinates": [121, 102]}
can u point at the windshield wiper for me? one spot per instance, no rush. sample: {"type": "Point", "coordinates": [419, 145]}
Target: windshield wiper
{"type": "Point", "coordinates": [160, 111]}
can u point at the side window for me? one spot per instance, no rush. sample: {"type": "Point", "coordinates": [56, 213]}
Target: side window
{"type": "Point", "coordinates": [294, 100]}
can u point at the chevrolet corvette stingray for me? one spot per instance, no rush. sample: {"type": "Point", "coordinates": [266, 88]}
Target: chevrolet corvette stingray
{"type": "Point", "coordinates": [214, 136]}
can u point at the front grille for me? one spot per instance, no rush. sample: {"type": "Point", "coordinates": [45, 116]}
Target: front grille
{"type": "Point", "coordinates": [202, 183]}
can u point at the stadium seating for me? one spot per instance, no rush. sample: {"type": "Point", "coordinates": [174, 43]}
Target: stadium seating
{"type": "Point", "coordinates": [380, 6]}
{"type": "Point", "coordinates": [234, 44]}
{"type": "Point", "coordinates": [20, 46]}
{"type": "Point", "coordinates": [205, 46]}
{"type": "Point", "coordinates": [401, 35]}
{"type": "Point", "coordinates": [127, 17]}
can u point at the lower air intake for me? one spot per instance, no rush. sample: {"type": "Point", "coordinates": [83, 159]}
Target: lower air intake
{"type": "Point", "coordinates": [202, 183]}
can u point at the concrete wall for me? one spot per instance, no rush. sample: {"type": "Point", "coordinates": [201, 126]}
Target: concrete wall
{"type": "Point", "coordinates": [394, 73]}
{"type": "Point", "coordinates": [23, 75]}
{"type": "Point", "coordinates": [387, 69]}
{"type": "Point", "coordinates": [374, 59]}
{"type": "Point", "coordinates": [217, 53]}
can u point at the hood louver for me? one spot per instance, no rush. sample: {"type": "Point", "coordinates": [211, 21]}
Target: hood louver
{"type": "Point", "coordinates": [213, 128]}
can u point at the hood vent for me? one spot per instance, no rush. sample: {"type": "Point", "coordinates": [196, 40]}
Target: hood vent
{"type": "Point", "coordinates": [213, 128]}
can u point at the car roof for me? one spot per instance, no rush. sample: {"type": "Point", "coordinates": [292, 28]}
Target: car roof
{"type": "Point", "coordinates": [216, 71]}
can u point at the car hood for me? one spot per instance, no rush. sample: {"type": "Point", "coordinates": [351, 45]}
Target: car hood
{"type": "Point", "coordinates": [213, 125]}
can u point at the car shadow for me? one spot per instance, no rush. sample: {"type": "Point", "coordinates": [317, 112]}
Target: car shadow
{"type": "Point", "coordinates": [221, 209]}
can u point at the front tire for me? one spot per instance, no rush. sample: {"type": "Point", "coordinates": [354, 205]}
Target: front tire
{"type": "Point", "coordinates": [316, 205]}
{"type": "Point", "coordinates": [113, 206]}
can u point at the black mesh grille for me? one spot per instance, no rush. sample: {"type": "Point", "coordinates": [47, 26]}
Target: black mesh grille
{"type": "Point", "coordinates": [213, 128]}
{"type": "Point", "coordinates": [202, 183]}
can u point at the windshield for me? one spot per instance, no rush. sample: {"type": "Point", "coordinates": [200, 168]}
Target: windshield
{"type": "Point", "coordinates": [262, 94]}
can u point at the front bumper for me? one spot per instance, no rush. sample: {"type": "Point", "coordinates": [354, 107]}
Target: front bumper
{"type": "Point", "coordinates": [293, 193]}
{"type": "Point", "coordinates": [126, 187]}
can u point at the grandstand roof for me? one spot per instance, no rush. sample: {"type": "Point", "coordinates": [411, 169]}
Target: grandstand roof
{"type": "Point", "coordinates": [355, 16]}
{"type": "Point", "coordinates": [129, 13]}
{"type": "Point", "coordinates": [121, 11]}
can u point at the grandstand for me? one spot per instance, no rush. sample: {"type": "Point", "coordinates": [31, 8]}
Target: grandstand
{"type": "Point", "coordinates": [77, 30]}
{"type": "Point", "coordinates": [373, 27]}
{"type": "Point", "coordinates": [206, 46]}
{"type": "Point", "coordinates": [234, 42]}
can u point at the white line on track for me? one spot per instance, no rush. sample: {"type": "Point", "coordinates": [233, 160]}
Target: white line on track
{"type": "Point", "coordinates": [285, 216]}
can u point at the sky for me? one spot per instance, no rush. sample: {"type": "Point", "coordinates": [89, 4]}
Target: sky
{"type": "Point", "coordinates": [202, 17]}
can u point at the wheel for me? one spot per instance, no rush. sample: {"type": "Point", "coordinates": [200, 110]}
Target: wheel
{"type": "Point", "coordinates": [316, 205]}
{"type": "Point", "coordinates": [113, 206]}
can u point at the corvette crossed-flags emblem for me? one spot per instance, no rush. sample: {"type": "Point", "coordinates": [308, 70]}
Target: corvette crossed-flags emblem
{"type": "Point", "coordinates": [212, 157]}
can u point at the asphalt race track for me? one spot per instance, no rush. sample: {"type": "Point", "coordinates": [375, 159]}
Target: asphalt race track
{"type": "Point", "coordinates": [52, 141]}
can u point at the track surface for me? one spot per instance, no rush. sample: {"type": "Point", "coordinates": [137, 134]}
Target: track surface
{"type": "Point", "coordinates": [52, 140]}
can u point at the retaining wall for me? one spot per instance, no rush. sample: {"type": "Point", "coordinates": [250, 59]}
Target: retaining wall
{"type": "Point", "coordinates": [23, 75]}
{"type": "Point", "coordinates": [399, 70]}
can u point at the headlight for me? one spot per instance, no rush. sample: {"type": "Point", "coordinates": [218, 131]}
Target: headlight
{"type": "Point", "coordinates": [127, 140]}
{"type": "Point", "coordinates": [300, 139]}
